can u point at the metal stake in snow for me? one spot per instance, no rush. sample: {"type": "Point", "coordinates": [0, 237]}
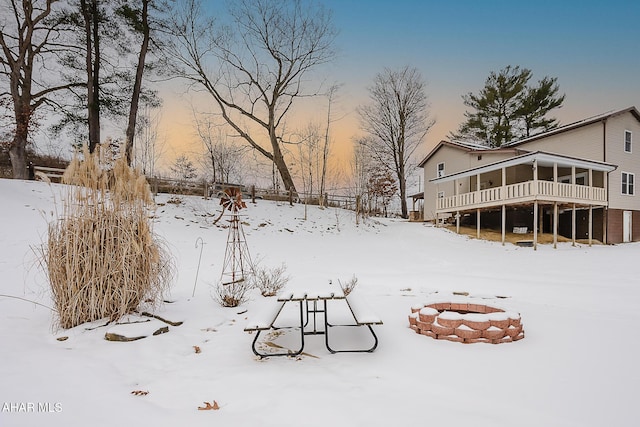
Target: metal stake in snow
{"type": "Point", "coordinates": [237, 261]}
{"type": "Point", "coordinates": [198, 240]}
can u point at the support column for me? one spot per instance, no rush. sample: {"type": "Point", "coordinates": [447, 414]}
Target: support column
{"type": "Point", "coordinates": [555, 179]}
{"type": "Point", "coordinates": [535, 227]}
{"type": "Point", "coordinates": [504, 223]}
{"type": "Point", "coordinates": [458, 222]}
{"type": "Point", "coordinates": [478, 210]}
{"type": "Point", "coordinates": [605, 209]}
{"type": "Point", "coordinates": [541, 219]}
{"type": "Point", "coordinates": [573, 225]}
{"type": "Point", "coordinates": [590, 222]}
{"type": "Point", "coordinates": [555, 225]}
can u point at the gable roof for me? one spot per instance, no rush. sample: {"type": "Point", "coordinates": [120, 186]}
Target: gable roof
{"type": "Point", "coordinates": [461, 145]}
{"type": "Point", "coordinates": [575, 125]}
{"type": "Point", "coordinates": [475, 147]}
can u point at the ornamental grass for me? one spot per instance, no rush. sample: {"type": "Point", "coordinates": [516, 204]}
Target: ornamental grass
{"type": "Point", "coordinates": [102, 256]}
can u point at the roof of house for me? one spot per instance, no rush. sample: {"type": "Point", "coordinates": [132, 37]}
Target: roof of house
{"type": "Point", "coordinates": [541, 157]}
{"type": "Point", "coordinates": [575, 125]}
{"type": "Point", "coordinates": [464, 146]}
{"type": "Point", "coordinates": [475, 147]}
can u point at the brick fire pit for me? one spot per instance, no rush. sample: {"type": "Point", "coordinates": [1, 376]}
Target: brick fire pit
{"type": "Point", "coordinates": [466, 322]}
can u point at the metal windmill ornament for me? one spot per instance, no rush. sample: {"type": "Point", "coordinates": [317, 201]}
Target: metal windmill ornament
{"type": "Point", "coordinates": [237, 260]}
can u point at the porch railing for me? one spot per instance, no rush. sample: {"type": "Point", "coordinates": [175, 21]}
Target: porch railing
{"type": "Point", "coordinates": [523, 192]}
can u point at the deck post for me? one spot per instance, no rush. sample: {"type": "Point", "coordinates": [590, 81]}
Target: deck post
{"type": "Point", "coordinates": [590, 222]}
{"type": "Point", "coordinates": [555, 225]}
{"type": "Point", "coordinates": [458, 222]}
{"type": "Point", "coordinates": [478, 211]}
{"type": "Point", "coordinates": [535, 225]}
{"type": "Point", "coordinates": [504, 222]}
{"type": "Point", "coordinates": [541, 219]}
{"type": "Point", "coordinates": [573, 225]}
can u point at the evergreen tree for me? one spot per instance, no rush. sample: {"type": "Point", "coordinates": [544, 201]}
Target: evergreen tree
{"type": "Point", "coordinates": [536, 102]}
{"type": "Point", "coordinates": [507, 108]}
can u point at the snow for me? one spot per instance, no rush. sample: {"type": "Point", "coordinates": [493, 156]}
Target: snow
{"type": "Point", "coordinates": [579, 307]}
{"type": "Point", "coordinates": [450, 315]}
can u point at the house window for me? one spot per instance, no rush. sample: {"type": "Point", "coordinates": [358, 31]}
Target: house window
{"type": "Point", "coordinates": [440, 170]}
{"type": "Point", "coordinates": [627, 141]}
{"type": "Point", "coordinates": [627, 183]}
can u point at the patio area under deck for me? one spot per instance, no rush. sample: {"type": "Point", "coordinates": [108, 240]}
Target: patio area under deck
{"type": "Point", "coordinates": [535, 180]}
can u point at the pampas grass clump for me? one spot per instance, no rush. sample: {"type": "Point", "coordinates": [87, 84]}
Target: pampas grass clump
{"type": "Point", "coordinates": [102, 257]}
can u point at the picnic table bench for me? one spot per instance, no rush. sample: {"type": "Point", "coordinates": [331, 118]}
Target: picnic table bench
{"type": "Point", "coordinates": [312, 305]}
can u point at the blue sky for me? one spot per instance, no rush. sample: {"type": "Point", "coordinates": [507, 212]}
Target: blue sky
{"type": "Point", "coordinates": [591, 47]}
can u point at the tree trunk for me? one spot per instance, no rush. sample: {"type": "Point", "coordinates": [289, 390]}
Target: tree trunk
{"type": "Point", "coordinates": [90, 15]}
{"type": "Point", "coordinates": [137, 86]}
{"type": "Point", "coordinates": [18, 156]}
{"type": "Point", "coordinates": [403, 190]}
{"type": "Point", "coordinates": [403, 199]}
{"type": "Point", "coordinates": [18, 148]}
{"type": "Point", "coordinates": [279, 162]}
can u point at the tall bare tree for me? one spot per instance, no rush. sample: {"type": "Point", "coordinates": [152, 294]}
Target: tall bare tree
{"type": "Point", "coordinates": [331, 95]}
{"type": "Point", "coordinates": [148, 148]}
{"type": "Point", "coordinates": [360, 174]}
{"type": "Point", "coordinates": [223, 158]}
{"type": "Point", "coordinates": [30, 38]}
{"type": "Point", "coordinates": [255, 71]}
{"type": "Point", "coordinates": [397, 120]}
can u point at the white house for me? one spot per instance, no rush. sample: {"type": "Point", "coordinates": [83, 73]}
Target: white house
{"type": "Point", "coordinates": [577, 180]}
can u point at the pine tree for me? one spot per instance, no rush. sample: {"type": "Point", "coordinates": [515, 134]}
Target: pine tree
{"type": "Point", "coordinates": [506, 108]}
{"type": "Point", "coordinates": [536, 102]}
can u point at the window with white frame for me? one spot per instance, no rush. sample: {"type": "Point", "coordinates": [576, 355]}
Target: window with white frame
{"type": "Point", "coordinates": [628, 180]}
{"type": "Point", "coordinates": [440, 170]}
{"type": "Point", "coordinates": [627, 141]}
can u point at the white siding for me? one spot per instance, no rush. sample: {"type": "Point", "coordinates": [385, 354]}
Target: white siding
{"type": "Point", "coordinates": [455, 160]}
{"type": "Point", "coordinates": [584, 142]}
{"type": "Point", "coordinates": [627, 162]}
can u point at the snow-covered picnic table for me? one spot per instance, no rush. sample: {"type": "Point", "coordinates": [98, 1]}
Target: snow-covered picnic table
{"type": "Point", "coordinates": [311, 306]}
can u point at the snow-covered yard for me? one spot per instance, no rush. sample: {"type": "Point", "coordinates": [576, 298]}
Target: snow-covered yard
{"type": "Point", "coordinates": [576, 366]}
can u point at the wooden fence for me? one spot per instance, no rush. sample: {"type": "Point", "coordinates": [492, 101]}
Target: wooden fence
{"type": "Point", "coordinates": [207, 190]}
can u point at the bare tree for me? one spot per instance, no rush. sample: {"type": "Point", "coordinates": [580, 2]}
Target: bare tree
{"type": "Point", "coordinates": [30, 38]}
{"type": "Point", "coordinates": [223, 158]}
{"type": "Point", "coordinates": [263, 59]}
{"type": "Point", "coordinates": [397, 119]}
{"type": "Point", "coordinates": [149, 148]}
{"type": "Point", "coordinates": [309, 159]}
{"type": "Point", "coordinates": [331, 94]}
{"type": "Point", "coordinates": [184, 170]}
{"type": "Point", "coordinates": [360, 168]}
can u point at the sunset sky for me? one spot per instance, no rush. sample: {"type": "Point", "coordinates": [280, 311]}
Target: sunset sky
{"type": "Point", "coordinates": [592, 47]}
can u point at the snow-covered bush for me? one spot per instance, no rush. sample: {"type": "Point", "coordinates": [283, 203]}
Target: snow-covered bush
{"type": "Point", "coordinates": [270, 280]}
{"type": "Point", "coordinates": [348, 285]}
{"type": "Point", "coordinates": [232, 294]}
